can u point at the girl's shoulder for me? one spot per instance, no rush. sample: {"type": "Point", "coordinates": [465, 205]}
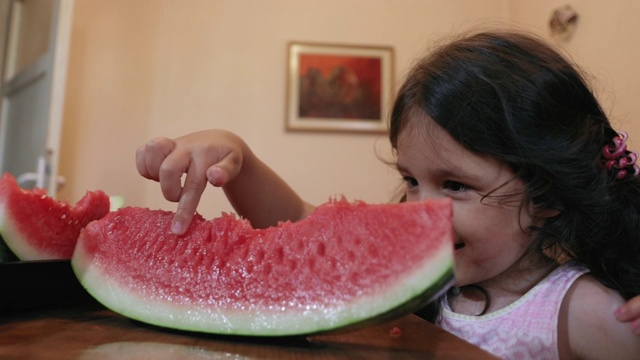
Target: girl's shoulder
{"type": "Point", "coordinates": [587, 326]}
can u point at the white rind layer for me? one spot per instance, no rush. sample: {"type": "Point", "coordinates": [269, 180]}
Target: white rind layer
{"type": "Point", "coordinates": [257, 321]}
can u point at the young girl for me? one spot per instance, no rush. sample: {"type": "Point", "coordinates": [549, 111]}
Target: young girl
{"type": "Point", "coordinates": [546, 196]}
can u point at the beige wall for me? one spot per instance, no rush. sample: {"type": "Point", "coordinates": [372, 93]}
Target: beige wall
{"type": "Point", "coordinates": [145, 68]}
{"type": "Point", "coordinates": [605, 45]}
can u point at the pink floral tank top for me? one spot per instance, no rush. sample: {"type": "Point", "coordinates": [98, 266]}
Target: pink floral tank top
{"type": "Point", "coordinates": [526, 329]}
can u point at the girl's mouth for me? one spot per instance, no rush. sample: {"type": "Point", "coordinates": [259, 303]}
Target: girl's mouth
{"type": "Point", "coordinates": [458, 246]}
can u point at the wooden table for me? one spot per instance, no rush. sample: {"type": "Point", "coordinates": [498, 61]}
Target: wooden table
{"type": "Point", "coordinates": [47, 323]}
{"type": "Point", "coordinates": [85, 333]}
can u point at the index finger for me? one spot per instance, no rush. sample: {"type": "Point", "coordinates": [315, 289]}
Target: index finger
{"type": "Point", "coordinates": [190, 195]}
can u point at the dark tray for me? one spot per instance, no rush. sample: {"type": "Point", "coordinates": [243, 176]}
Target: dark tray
{"type": "Point", "coordinates": [36, 285]}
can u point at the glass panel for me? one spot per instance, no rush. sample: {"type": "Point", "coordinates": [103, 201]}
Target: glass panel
{"type": "Point", "coordinates": [33, 26]}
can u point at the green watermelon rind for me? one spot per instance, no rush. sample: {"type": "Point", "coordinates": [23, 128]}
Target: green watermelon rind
{"type": "Point", "coordinates": [409, 294]}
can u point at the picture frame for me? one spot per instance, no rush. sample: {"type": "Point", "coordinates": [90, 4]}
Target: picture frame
{"type": "Point", "coordinates": [338, 87]}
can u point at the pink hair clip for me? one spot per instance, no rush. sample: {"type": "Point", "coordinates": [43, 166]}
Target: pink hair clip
{"type": "Point", "coordinates": [617, 159]}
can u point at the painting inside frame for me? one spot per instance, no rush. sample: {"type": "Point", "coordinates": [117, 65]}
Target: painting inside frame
{"type": "Point", "coordinates": [338, 87]}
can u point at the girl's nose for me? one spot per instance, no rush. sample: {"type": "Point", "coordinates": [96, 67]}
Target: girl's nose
{"type": "Point", "coordinates": [425, 194]}
{"type": "Point", "coordinates": [430, 195]}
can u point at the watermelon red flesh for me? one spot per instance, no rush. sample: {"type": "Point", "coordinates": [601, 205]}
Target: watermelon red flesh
{"type": "Point", "coordinates": [37, 227]}
{"type": "Point", "coordinates": [344, 264]}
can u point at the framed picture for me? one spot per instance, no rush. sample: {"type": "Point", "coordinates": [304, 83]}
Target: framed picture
{"type": "Point", "coordinates": [338, 87]}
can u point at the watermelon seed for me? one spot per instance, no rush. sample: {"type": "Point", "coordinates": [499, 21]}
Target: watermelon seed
{"type": "Point", "coordinates": [321, 249]}
{"type": "Point", "coordinates": [64, 216]}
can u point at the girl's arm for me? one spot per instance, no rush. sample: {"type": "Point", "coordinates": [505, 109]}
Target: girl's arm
{"type": "Point", "coordinates": [591, 330]}
{"type": "Point", "coordinates": [630, 312]}
{"type": "Point", "coordinates": [224, 160]}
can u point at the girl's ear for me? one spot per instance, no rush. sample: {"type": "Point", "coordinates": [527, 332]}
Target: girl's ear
{"type": "Point", "coordinates": [547, 213]}
{"type": "Point", "coordinates": [551, 210]}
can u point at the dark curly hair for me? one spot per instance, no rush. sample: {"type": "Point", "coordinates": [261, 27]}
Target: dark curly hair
{"type": "Point", "coordinates": [511, 96]}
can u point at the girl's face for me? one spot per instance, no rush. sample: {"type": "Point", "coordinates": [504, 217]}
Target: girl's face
{"type": "Point", "coordinates": [490, 235]}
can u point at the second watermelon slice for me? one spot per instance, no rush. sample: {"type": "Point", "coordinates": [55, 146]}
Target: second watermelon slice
{"type": "Point", "coordinates": [35, 226]}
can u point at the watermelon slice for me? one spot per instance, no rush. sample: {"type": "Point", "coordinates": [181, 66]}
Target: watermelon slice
{"type": "Point", "coordinates": [35, 226]}
{"type": "Point", "coordinates": [344, 264]}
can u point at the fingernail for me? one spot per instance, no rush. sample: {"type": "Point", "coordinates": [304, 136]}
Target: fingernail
{"type": "Point", "coordinates": [176, 228]}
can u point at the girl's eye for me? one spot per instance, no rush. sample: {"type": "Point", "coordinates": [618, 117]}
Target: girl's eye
{"type": "Point", "coordinates": [411, 182]}
{"type": "Point", "coordinates": [455, 186]}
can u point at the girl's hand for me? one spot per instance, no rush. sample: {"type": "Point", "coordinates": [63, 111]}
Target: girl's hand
{"type": "Point", "coordinates": [213, 156]}
{"type": "Point", "coordinates": [630, 312]}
